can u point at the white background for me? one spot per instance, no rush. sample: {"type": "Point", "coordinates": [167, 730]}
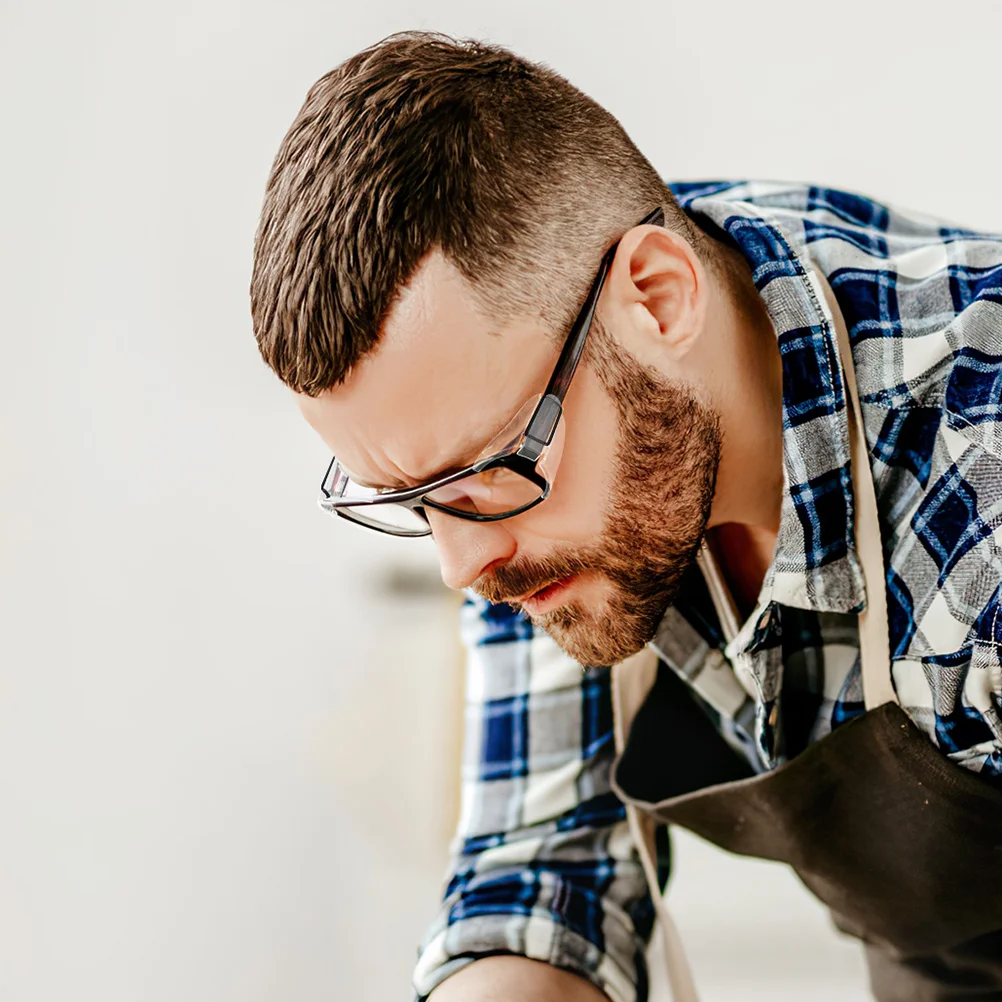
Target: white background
{"type": "Point", "coordinates": [227, 731]}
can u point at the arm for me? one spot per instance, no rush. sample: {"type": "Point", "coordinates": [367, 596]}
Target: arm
{"type": "Point", "coordinates": [515, 979]}
{"type": "Point", "coordinates": [543, 867]}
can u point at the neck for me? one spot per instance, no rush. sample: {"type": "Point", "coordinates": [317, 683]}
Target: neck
{"type": "Point", "coordinates": [748, 391]}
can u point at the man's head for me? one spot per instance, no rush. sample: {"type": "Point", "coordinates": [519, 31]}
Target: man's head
{"type": "Point", "coordinates": [432, 223]}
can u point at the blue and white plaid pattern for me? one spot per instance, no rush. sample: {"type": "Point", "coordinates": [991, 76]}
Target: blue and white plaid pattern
{"type": "Point", "coordinates": [543, 864]}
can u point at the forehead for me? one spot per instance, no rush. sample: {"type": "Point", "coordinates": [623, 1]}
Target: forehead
{"type": "Point", "coordinates": [442, 380]}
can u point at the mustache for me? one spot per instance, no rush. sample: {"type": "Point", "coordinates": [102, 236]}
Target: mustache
{"type": "Point", "coordinates": [643, 577]}
{"type": "Point", "coordinates": [514, 580]}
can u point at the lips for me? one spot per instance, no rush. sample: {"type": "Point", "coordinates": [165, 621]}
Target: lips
{"type": "Point", "coordinates": [545, 598]}
{"type": "Point", "coordinates": [525, 596]}
{"type": "Point", "coordinates": [541, 595]}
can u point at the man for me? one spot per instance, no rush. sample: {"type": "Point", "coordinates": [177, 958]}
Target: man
{"type": "Point", "coordinates": [623, 412]}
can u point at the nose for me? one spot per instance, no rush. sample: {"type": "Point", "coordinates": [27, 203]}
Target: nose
{"type": "Point", "coordinates": [466, 549]}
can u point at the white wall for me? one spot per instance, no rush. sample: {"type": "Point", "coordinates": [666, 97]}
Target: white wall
{"type": "Point", "coordinates": [224, 745]}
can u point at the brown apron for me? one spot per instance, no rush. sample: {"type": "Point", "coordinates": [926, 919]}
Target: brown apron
{"type": "Point", "coordinates": [903, 845]}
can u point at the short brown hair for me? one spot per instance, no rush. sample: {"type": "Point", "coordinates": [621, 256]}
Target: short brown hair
{"type": "Point", "coordinates": [422, 142]}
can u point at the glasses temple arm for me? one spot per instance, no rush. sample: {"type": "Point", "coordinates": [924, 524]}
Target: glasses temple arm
{"type": "Point", "coordinates": [544, 420]}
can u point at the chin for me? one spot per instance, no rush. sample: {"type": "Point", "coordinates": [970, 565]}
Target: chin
{"type": "Point", "coordinates": [594, 641]}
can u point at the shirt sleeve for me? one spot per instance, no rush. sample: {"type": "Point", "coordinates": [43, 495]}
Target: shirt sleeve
{"type": "Point", "coordinates": [542, 864]}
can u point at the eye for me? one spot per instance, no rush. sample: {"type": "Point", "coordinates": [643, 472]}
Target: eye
{"type": "Point", "coordinates": [491, 478]}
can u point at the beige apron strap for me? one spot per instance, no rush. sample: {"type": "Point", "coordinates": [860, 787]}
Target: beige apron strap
{"type": "Point", "coordinates": [874, 646]}
{"type": "Point", "coordinates": [631, 681]}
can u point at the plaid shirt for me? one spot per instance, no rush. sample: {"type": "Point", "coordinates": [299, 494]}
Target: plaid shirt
{"type": "Point", "coordinates": [543, 864]}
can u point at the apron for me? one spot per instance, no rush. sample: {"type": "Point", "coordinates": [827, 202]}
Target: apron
{"type": "Point", "coordinates": [903, 845]}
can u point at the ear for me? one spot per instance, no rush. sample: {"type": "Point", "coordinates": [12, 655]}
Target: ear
{"type": "Point", "coordinates": [657, 293]}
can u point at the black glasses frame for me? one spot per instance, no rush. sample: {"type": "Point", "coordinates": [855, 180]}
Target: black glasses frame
{"type": "Point", "coordinates": [523, 460]}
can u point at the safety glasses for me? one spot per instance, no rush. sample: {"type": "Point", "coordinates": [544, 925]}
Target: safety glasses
{"type": "Point", "coordinates": [512, 474]}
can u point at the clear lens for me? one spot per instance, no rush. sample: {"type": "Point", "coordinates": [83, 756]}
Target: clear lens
{"type": "Point", "coordinates": [550, 457]}
{"type": "Point", "coordinates": [492, 492]}
{"type": "Point", "coordinates": [510, 436]}
{"type": "Point", "coordinates": [500, 490]}
{"type": "Point", "coordinates": [393, 518]}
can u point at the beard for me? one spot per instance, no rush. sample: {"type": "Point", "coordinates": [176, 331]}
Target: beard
{"type": "Point", "coordinates": [655, 518]}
